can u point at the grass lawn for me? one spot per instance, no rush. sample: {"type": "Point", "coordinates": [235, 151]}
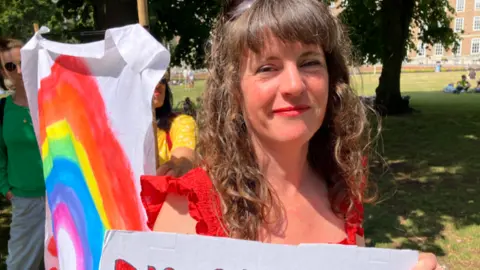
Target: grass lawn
{"type": "Point", "coordinates": [428, 174]}
{"type": "Point", "coordinates": [364, 84]}
{"type": "Point", "coordinates": [429, 180]}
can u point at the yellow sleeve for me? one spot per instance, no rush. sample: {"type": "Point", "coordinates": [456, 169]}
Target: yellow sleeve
{"type": "Point", "coordinates": [182, 132]}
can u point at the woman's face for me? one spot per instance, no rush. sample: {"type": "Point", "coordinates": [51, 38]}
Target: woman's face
{"type": "Point", "coordinates": [159, 95]}
{"type": "Point", "coordinates": [285, 90]}
{"type": "Point", "coordinates": [11, 67]}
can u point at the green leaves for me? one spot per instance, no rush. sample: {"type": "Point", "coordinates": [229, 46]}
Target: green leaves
{"type": "Point", "coordinates": [17, 18]}
{"type": "Point", "coordinates": [189, 21]}
{"type": "Point", "coordinates": [182, 25]}
{"type": "Point", "coordinates": [367, 19]}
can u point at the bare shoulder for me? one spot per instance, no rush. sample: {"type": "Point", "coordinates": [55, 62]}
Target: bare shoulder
{"type": "Point", "coordinates": [174, 216]}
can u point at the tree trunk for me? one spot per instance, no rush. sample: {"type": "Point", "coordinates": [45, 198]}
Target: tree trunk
{"type": "Point", "coordinates": [396, 20]}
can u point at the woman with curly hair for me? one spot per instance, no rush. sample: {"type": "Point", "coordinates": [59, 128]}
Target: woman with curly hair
{"type": "Point", "coordinates": [282, 135]}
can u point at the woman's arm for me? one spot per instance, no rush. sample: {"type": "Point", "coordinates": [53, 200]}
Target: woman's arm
{"type": "Point", "coordinates": [180, 163]}
{"type": "Point", "coordinates": [183, 137]}
{"type": "Point", "coordinates": [183, 159]}
{"type": "Point", "coordinates": [174, 216]}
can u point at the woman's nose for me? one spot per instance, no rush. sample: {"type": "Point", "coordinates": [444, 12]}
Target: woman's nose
{"type": "Point", "coordinates": [292, 81]}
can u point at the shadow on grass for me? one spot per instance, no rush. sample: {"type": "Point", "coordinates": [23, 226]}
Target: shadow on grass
{"type": "Point", "coordinates": [428, 175]}
{"type": "Point", "coordinates": [412, 213]}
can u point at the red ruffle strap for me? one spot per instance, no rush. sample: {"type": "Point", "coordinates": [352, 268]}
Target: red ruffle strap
{"type": "Point", "coordinates": [353, 222]}
{"type": "Point", "coordinates": [353, 225]}
{"type": "Point", "coordinates": [355, 217]}
{"type": "Point", "coordinates": [197, 187]}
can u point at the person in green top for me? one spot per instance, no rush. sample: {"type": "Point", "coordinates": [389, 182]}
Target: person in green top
{"type": "Point", "coordinates": [463, 85]}
{"type": "Point", "coordinates": [21, 169]}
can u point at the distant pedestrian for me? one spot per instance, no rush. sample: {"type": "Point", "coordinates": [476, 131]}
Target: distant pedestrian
{"type": "Point", "coordinates": [472, 74]}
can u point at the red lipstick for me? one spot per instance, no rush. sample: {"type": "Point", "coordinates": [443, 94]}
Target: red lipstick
{"type": "Point", "coordinates": [291, 111]}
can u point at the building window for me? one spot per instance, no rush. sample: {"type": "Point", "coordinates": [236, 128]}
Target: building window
{"type": "Point", "coordinates": [460, 5]}
{"type": "Point", "coordinates": [421, 50]}
{"type": "Point", "coordinates": [458, 51]}
{"type": "Point", "coordinates": [438, 48]}
{"type": "Point", "coordinates": [475, 46]}
{"type": "Point", "coordinates": [477, 4]}
{"type": "Point", "coordinates": [458, 25]}
{"type": "Point", "coordinates": [476, 23]}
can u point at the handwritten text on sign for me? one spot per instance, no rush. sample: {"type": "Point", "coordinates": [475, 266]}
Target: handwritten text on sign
{"type": "Point", "coordinates": [125, 250]}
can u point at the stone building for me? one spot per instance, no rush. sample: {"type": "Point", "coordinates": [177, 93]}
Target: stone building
{"type": "Point", "coordinates": [466, 23]}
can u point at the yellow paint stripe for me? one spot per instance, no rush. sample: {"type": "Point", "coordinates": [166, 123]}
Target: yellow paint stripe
{"type": "Point", "coordinates": [60, 130]}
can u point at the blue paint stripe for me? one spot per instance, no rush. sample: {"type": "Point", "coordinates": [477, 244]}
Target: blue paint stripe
{"type": "Point", "coordinates": [66, 195]}
{"type": "Point", "coordinates": [68, 173]}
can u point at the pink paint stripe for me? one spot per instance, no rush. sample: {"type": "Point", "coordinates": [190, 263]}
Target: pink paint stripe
{"type": "Point", "coordinates": [63, 220]}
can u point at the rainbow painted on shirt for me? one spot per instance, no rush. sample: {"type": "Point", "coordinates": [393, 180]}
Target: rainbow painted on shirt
{"type": "Point", "coordinates": [89, 180]}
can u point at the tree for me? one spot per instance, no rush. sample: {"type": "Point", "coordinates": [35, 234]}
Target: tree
{"type": "Point", "coordinates": [188, 21]}
{"type": "Point", "coordinates": [17, 17]}
{"type": "Point", "coordinates": [385, 30]}
{"type": "Point", "coordinates": [103, 13]}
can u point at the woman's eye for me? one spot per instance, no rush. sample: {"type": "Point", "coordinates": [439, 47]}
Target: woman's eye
{"type": "Point", "coordinates": [265, 69]}
{"type": "Point", "coordinates": [312, 63]}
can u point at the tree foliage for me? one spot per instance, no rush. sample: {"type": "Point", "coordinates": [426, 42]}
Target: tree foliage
{"type": "Point", "coordinates": [18, 16]}
{"type": "Point", "coordinates": [385, 30]}
{"type": "Point", "coordinates": [427, 20]}
{"type": "Point", "coordinates": [190, 21]}
{"type": "Point", "coordinates": [183, 25]}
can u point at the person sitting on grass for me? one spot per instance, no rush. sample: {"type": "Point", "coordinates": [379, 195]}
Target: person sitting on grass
{"type": "Point", "coordinates": [189, 107]}
{"type": "Point", "coordinates": [477, 89]}
{"type": "Point", "coordinates": [463, 85]}
{"type": "Point", "coordinates": [450, 88]}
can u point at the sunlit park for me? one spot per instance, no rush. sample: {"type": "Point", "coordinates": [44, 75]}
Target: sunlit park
{"type": "Point", "coordinates": [425, 168]}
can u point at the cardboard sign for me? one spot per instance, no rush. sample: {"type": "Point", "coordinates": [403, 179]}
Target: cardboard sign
{"type": "Point", "coordinates": [125, 250]}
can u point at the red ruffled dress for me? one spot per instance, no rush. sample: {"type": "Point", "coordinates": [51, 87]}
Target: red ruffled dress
{"type": "Point", "coordinates": [197, 187]}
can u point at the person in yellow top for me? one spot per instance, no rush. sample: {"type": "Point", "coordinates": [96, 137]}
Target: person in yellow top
{"type": "Point", "coordinates": [175, 134]}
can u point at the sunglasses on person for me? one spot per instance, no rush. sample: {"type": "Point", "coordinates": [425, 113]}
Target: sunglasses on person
{"type": "Point", "coordinates": [10, 66]}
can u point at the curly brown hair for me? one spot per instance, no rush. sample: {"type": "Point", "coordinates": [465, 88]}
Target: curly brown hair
{"type": "Point", "coordinates": [337, 149]}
